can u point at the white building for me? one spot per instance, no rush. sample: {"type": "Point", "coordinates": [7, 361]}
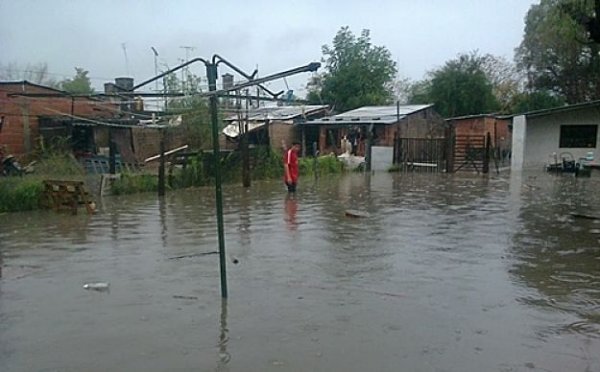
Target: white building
{"type": "Point", "coordinates": [541, 137]}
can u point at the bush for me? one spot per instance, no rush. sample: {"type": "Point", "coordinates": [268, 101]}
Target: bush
{"type": "Point", "coordinates": [59, 165]}
{"type": "Point", "coordinates": [194, 174]}
{"type": "Point", "coordinates": [328, 164]}
{"type": "Point", "coordinates": [268, 164]}
{"type": "Point", "coordinates": [20, 193]}
{"type": "Point", "coordinates": [130, 183]}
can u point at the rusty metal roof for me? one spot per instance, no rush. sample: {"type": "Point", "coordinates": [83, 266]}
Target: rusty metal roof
{"type": "Point", "coordinates": [370, 115]}
{"type": "Point", "coordinates": [279, 112]}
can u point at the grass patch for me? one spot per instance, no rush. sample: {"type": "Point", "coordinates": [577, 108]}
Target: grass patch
{"type": "Point", "coordinates": [24, 193]}
{"type": "Point", "coordinates": [20, 193]}
{"type": "Point", "coordinates": [328, 164]}
{"type": "Point", "coordinates": [130, 183]}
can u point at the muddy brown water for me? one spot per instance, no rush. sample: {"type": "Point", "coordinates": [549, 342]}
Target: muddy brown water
{"type": "Point", "coordinates": [446, 273]}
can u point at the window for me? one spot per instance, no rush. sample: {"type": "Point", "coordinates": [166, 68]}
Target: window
{"type": "Point", "coordinates": [578, 136]}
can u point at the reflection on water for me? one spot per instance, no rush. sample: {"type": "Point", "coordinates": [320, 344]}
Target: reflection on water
{"type": "Point", "coordinates": [448, 273]}
{"type": "Point", "coordinates": [559, 255]}
{"type": "Point", "coordinates": [224, 356]}
{"type": "Point", "coordinates": [291, 209]}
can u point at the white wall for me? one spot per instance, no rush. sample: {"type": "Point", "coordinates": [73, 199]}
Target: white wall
{"type": "Point", "coordinates": [382, 158]}
{"type": "Point", "coordinates": [542, 137]}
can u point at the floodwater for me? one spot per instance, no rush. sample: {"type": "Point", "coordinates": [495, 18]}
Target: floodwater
{"type": "Point", "coordinates": [447, 273]}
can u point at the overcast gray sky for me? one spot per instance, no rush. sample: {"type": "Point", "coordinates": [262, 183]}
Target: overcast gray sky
{"type": "Point", "coordinates": [273, 35]}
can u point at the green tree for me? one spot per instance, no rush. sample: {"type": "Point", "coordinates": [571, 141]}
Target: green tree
{"type": "Point", "coordinates": [531, 101]}
{"type": "Point", "coordinates": [193, 109]}
{"type": "Point", "coordinates": [460, 87]}
{"type": "Point", "coordinates": [555, 52]}
{"type": "Point", "coordinates": [590, 21]}
{"type": "Point", "coordinates": [358, 73]}
{"type": "Point", "coordinates": [79, 84]}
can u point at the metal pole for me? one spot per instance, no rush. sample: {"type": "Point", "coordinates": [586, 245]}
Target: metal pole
{"type": "Point", "coordinates": [211, 73]}
{"type": "Point", "coordinates": [245, 149]}
{"type": "Point", "coordinates": [161, 167]}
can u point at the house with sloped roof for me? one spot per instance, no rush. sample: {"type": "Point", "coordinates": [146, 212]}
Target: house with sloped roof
{"type": "Point", "coordinates": [385, 122]}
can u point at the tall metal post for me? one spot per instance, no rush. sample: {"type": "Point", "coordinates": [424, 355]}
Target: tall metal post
{"type": "Point", "coordinates": [161, 167]}
{"type": "Point", "coordinates": [211, 73]}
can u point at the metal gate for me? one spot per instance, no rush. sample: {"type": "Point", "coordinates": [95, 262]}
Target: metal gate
{"type": "Point", "coordinates": [421, 154]}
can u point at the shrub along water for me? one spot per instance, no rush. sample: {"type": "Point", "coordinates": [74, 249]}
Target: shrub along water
{"type": "Point", "coordinates": [20, 193]}
{"type": "Point", "coordinates": [24, 193]}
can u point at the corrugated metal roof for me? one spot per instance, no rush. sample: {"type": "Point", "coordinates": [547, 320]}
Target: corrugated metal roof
{"type": "Point", "coordinates": [475, 116]}
{"type": "Point", "coordinates": [280, 113]}
{"type": "Point", "coordinates": [370, 115]}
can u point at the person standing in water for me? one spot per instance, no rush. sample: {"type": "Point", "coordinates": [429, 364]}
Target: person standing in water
{"type": "Point", "coordinates": [290, 167]}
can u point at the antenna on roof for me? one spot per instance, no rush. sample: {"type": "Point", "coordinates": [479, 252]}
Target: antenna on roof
{"type": "Point", "coordinates": [124, 46]}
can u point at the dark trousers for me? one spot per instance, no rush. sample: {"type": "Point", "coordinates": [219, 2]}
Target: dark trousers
{"type": "Point", "coordinates": [291, 186]}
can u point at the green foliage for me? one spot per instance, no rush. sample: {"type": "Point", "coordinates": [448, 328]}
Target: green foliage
{"type": "Point", "coordinates": [328, 164]}
{"type": "Point", "coordinates": [23, 193]}
{"type": "Point", "coordinates": [269, 164]}
{"type": "Point", "coordinates": [194, 110]}
{"type": "Point", "coordinates": [130, 183]}
{"type": "Point", "coordinates": [555, 52]}
{"type": "Point", "coordinates": [525, 102]}
{"type": "Point", "coordinates": [79, 84]}
{"type": "Point", "coordinates": [461, 87]}
{"type": "Point", "coordinates": [192, 175]}
{"type": "Point", "coordinates": [357, 73]}
{"type": "Point", "coordinates": [20, 193]}
{"type": "Point", "coordinates": [60, 165]}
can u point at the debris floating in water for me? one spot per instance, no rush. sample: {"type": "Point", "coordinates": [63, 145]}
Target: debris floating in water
{"type": "Point", "coordinates": [192, 255]}
{"type": "Point", "coordinates": [356, 214]}
{"type": "Point", "coordinates": [180, 297]}
{"type": "Point", "coordinates": [100, 286]}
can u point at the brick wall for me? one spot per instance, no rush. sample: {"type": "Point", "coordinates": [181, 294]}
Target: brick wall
{"type": "Point", "coordinates": [282, 132]}
{"type": "Point", "coordinates": [20, 130]}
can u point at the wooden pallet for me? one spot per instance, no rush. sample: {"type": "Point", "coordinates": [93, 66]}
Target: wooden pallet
{"type": "Point", "coordinates": [67, 195]}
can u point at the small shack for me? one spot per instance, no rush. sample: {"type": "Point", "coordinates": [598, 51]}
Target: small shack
{"type": "Point", "coordinates": [388, 123]}
{"type": "Point", "coordinates": [274, 126]}
{"type": "Point", "coordinates": [470, 135]}
{"type": "Point", "coordinates": [35, 116]}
